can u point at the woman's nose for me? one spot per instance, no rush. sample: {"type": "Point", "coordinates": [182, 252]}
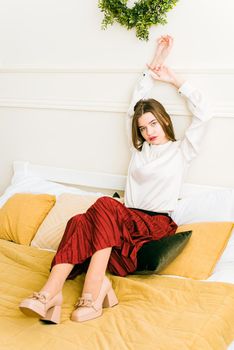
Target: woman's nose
{"type": "Point", "coordinates": [148, 131]}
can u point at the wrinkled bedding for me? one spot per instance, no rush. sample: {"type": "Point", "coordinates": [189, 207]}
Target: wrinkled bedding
{"type": "Point", "coordinates": [154, 312]}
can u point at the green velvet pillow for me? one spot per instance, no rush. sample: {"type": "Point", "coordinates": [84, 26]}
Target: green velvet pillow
{"type": "Point", "coordinates": [154, 256]}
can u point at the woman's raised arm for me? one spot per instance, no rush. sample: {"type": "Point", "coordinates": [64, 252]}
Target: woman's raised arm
{"type": "Point", "coordinates": [146, 81]}
{"type": "Point", "coordinates": [163, 48]}
{"type": "Point", "coordinates": [197, 104]}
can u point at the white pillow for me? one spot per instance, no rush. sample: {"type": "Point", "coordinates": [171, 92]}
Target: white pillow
{"type": "Point", "coordinates": [33, 184]}
{"type": "Point", "coordinates": [211, 205]}
{"type": "Point", "coordinates": [190, 189]}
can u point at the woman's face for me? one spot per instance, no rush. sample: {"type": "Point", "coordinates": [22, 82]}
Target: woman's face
{"type": "Point", "coordinates": [151, 130]}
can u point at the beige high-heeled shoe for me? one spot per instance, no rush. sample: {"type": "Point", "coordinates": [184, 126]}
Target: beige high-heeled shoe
{"type": "Point", "coordinates": [40, 305]}
{"type": "Point", "coordinates": [87, 309]}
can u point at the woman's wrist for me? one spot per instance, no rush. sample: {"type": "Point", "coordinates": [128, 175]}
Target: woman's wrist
{"type": "Point", "coordinates": [157, 60]}
{"type": "Point", "coordinates": [177, 82]}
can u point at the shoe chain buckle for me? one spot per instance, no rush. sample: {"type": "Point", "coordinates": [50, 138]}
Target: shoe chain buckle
{"type": "Point", "coordinates": [84, 302]}
{"type": "Point", "coordinates": [39, 296]}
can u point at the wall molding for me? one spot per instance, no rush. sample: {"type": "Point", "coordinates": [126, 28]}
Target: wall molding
{"type": "Point", "coordinates": [219, 111]}
{"type": "Point", "coordinates": [125, 70]}
{"type": "Point", "coordinates": [223, 109]}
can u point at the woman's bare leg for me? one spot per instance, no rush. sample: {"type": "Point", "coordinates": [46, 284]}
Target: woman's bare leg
{"type": "Point", "coordinates": [93, 279]}
{"type": "Point", "coordinates": [57, 277]}
{"type": "Point", "coordinates": [96, 272]}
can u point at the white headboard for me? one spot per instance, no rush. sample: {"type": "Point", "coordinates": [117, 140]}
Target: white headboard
{"type": "Point", "coordinates": [97, 180]}
{"type": "Point", "coordinates": [72, 176]}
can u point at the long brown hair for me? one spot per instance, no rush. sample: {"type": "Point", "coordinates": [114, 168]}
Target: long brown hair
{"type": "Point", "coordinates": [157, 109]}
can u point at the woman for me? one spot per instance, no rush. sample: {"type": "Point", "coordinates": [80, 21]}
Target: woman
{"type": "Point", "coordinates": [110, 234]}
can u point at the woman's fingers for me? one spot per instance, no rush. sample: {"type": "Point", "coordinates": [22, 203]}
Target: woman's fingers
{"type": "Point", "coordinates": [162, 38]}
{"type": "Point", "coordinates": [149, 66]}
{"type": "Point", "coordinates": [154, 74]}
{"type": "Point", "coordinates": [166, 38]}
{"type": "Point", "coordinates": [160, 72]}
{"type": "Point", "coordinates": [170, 40]}
{"type": "Point", "coordinates": [152, 67]}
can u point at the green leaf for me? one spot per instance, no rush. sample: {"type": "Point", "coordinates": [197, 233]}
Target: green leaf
{"type": "Point", "coordinates": [142, 15]}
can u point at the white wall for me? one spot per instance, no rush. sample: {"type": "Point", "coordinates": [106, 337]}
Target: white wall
{"type": "Point", "coordinates": [65, 84]}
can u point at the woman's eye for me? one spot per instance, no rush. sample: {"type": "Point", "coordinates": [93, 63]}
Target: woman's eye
{"type": "Point", "coordinates": [154, 123]}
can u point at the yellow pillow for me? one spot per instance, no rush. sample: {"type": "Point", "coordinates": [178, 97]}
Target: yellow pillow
{"type": "Point", "coordinates": [22, 214]}
{"type": "Point", "coordinates": [203, 250]}
{"type": "Point", "coordinates": [52, 228]}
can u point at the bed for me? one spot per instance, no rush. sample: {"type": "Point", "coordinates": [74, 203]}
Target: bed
{"type": "Point", "coordinates": [188, 305]}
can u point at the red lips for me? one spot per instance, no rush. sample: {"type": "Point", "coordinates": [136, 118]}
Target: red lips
{"type": "Point", "coordinates": [153, 138]}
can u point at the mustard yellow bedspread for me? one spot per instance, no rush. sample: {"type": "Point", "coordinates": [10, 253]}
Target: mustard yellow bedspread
{"type": "Point", "coordinates": [154, 312]}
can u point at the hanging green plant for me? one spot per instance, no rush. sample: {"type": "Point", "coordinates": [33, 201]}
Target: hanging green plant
{"type": "Point", "coordinates": [142, 15]}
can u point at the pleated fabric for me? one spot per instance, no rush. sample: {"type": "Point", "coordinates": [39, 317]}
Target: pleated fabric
{"type": "Point", "coordinates": [108, 223]}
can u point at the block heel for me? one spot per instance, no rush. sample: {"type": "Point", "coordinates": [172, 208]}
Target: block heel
{"type": "Point", "coordinates": [110, 299]}
{"type": "Point", "coordinates": [53, 315]}
{"type": "Point", "coordinates": [40, 305]}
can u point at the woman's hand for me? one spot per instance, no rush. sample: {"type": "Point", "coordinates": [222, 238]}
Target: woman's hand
{"type": "Point", "coordinates": [164, 46]}
{"type": "Point", "coordinates": [165, 74]}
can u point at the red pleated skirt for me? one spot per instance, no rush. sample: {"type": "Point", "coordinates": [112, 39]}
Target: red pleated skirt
{"type": "Point", "coordinates": [108, 223]}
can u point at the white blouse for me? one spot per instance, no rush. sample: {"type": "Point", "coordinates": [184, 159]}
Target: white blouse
{"type": "Point", "coordinates": [156, 173]}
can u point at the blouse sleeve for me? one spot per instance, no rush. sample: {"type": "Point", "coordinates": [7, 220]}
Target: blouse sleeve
{"type": "Point", "coordinates": [141, 91]}
{"type": "Point", "coordinates": [190, 144]}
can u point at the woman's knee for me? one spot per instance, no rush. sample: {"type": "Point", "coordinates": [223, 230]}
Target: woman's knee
{"type": "Point", "coordinates": [107, 202]}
